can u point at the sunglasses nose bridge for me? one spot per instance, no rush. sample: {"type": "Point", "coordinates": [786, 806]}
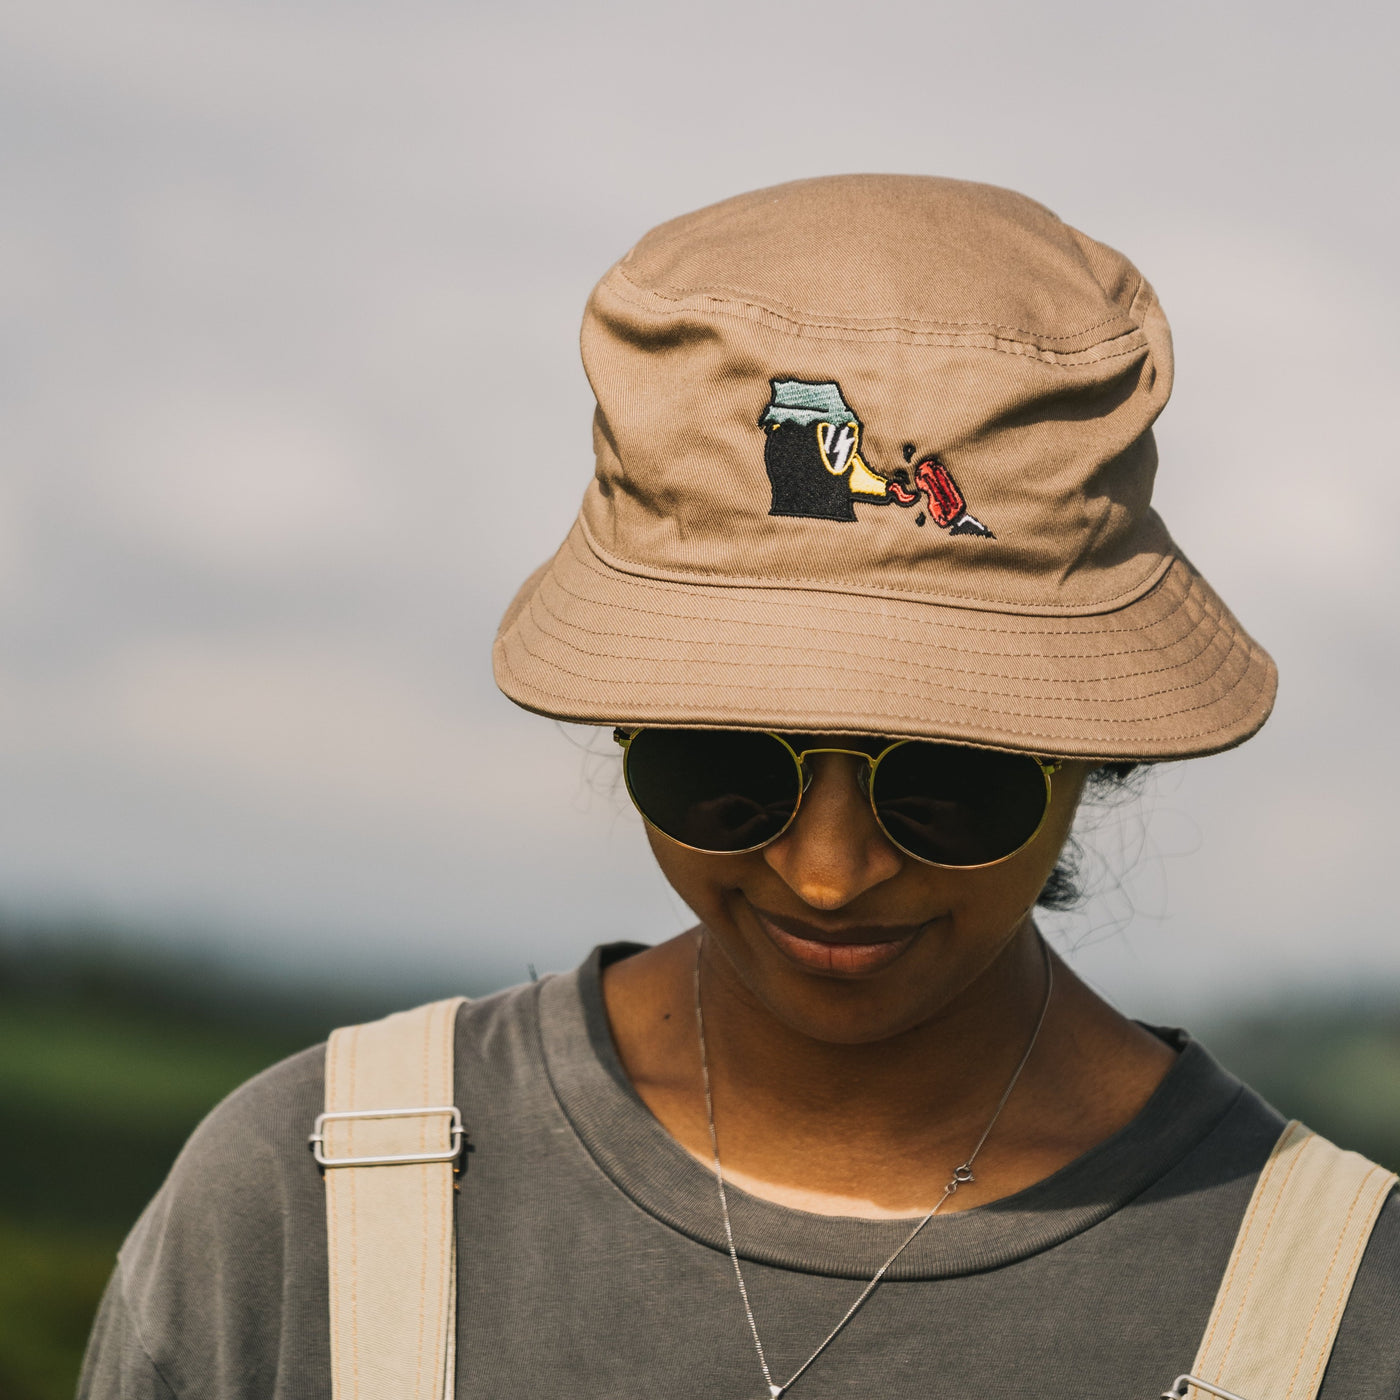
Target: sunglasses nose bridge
{"type": "Point", "coordinates": [864, 772]}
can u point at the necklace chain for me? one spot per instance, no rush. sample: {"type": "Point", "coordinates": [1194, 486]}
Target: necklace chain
{"type": "Point", "coordinates": [962, 1176]}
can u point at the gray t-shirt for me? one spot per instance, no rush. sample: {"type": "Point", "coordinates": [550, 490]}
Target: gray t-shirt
{"type": "Point", "coordinates": [593, 1266]}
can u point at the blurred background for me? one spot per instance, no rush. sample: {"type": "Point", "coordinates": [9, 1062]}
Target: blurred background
{"type": "Point", "coordinates": [289, 297]}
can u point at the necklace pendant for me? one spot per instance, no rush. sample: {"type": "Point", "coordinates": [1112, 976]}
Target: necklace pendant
{"type": "Point", "coordinates": [776, 1392]}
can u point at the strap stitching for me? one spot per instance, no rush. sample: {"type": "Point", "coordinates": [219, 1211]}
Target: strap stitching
{"type": "Point", "coordinates": [332, 1205]}
{"type": "Point", "coordinates": [424, 1172]}
{"type": "Point", "coordinates": [354, 1226]}
{"type": "Point", "coordinates": [1265, 1188]}
{"type": "Point", "coordinates": [1327, 1284]}
{"type": "Point", "coordinates": [354, 1220]}
{"type": "Point", "coordinates": [433, 1380]}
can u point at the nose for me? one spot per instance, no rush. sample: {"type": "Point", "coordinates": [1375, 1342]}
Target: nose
{"type": "Point", "coordinates": [834, 850]}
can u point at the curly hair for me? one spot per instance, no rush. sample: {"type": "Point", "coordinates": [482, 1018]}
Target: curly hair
{"type": "Point", "coordinates": [1105, 784]}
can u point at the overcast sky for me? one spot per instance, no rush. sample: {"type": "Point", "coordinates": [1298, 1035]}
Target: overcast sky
{"type": "Point", "coordinates": [289, 298]}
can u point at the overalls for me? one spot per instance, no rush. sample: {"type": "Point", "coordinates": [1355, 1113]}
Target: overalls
{"type": "Point", "coordinates": [390, 1138]}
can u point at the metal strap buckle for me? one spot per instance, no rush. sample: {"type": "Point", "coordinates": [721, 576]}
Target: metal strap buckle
{"type": "Point", "coordinates": [1182, 1383]}
{"type": "Point", "coordinates": [318, 1138]}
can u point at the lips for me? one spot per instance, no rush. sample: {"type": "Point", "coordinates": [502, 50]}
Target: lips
{"type": "Point", "coordinates": [852, 951]}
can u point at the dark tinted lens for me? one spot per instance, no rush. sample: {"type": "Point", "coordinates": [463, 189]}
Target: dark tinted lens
{"type": "Point", "coordinates": [715, 790]}
{"type": "Point", "coordinates": [958, 806]}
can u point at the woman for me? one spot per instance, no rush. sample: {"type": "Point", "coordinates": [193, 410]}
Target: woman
{"type": "Point", "coordinates": [869, 582]}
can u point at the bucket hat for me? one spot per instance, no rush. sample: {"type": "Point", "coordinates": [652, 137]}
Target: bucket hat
{"type": "Point", "coordinates": [875, 455]}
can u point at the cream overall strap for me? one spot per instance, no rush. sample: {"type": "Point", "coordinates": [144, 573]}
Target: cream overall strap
{"type": "Point", "coordinates": [389, 1221]}
{"type": "Point", "coordinates": [1290, 1274]}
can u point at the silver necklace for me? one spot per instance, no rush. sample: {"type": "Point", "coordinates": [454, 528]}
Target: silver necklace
{"type": "Point", "coordinates": [962, 1176]}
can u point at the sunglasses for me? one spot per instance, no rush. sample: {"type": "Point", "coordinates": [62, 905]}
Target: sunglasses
{"type": "Point", "coordinates": [727, 791]}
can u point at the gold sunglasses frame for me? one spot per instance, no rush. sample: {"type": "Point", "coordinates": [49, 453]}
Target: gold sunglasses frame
{"type": "Point", "coordinates": [623, 738]}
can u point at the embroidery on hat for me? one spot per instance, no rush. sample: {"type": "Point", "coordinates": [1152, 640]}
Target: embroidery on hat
{"type": "Point", "coordinates": [812, 454]}
{"type": "Point", "coordinates": [946, 506]}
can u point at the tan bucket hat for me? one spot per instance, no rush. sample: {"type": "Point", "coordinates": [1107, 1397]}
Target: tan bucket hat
{"type": "Point", "coordinates": [875, 455]}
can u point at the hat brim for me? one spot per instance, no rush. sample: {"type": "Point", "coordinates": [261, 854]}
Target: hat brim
{"type": "Point", "coordinates": [1169, 675]}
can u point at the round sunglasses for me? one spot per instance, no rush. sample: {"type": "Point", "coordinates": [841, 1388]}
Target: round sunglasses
{"type": "Point", "coordinates": [727, 791]}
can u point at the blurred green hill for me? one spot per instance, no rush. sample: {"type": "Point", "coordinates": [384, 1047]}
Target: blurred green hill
{"type": "Point", "coordinates": [110, 1053]}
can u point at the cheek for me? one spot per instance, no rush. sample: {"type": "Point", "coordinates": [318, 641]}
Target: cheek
{"type": "Point", "coordinates": [995, 899]}
{"type": "Point", "coordinates": [699, 879]}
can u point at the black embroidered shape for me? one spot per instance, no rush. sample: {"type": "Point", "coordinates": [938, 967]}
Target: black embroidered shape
{"type": "Point", "coordinates": [801, 484]}
{"type": "Point", "coordinates": [813, 452]}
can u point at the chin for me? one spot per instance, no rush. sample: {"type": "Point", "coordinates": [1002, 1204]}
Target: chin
{"type": "Point", "coordinates": [842, 1009]}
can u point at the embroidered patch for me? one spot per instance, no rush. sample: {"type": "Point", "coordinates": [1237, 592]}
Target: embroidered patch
{"type": "Point", "coordinates": [816, 471]}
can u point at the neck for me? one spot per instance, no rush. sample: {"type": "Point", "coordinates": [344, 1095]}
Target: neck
{"type": "Point", "coordinates": [952, 1067]}
{"type": "Point", "coordinates": [876, 1128]}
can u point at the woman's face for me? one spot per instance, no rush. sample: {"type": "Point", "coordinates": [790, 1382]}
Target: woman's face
{"type": "Point", "coordinates": [838, 933]}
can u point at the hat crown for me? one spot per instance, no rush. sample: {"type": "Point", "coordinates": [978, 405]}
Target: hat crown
{"type": "Point", "coordinates": [873, 250]}
{"type": "Point", "coordinates": [898, 384]}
